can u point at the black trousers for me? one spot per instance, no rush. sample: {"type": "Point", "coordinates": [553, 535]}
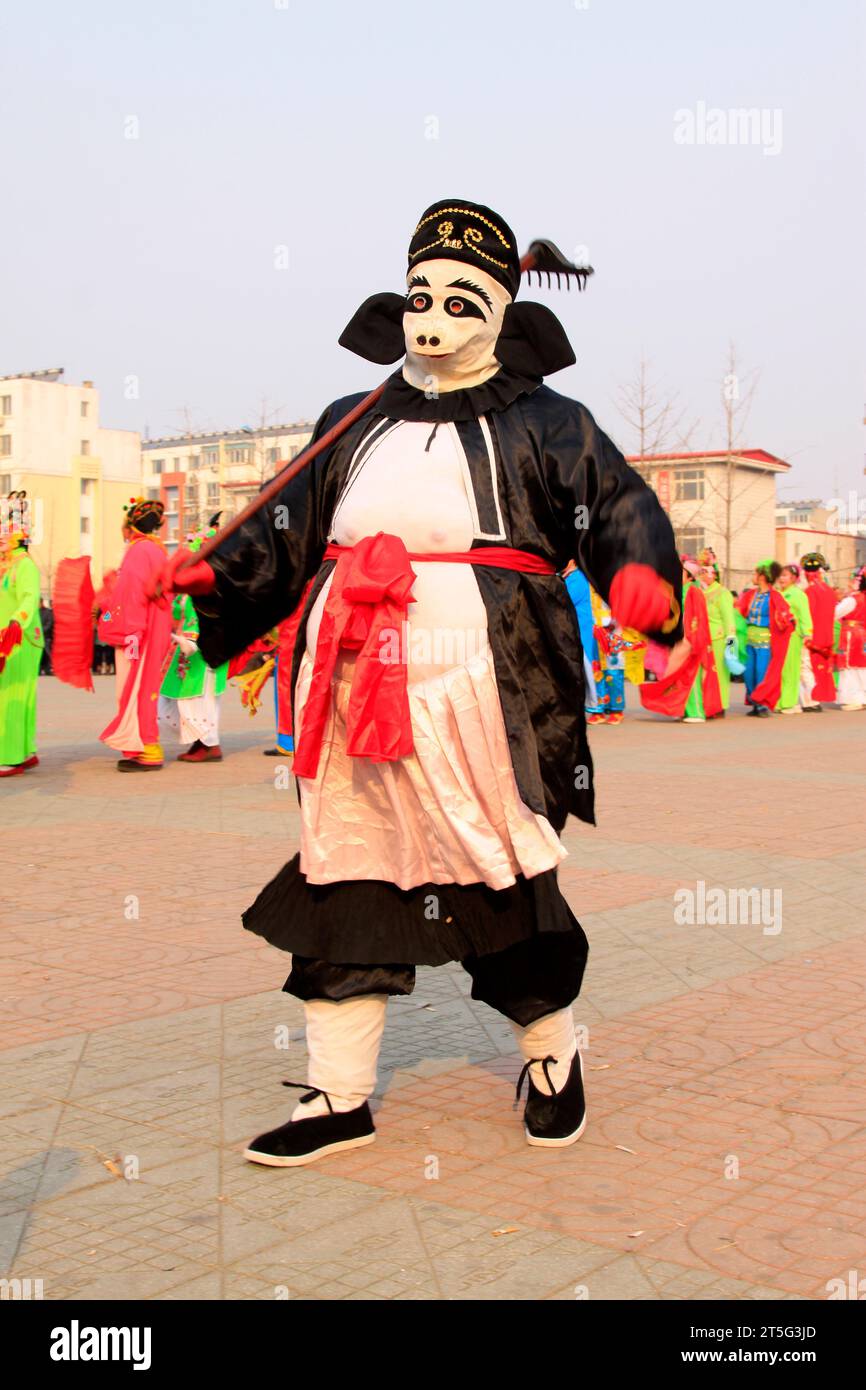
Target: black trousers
{"type": "Point", "coordinates": [524, 982]}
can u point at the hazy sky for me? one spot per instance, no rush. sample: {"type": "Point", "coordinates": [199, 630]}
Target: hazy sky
{"type": "Point", "coordinates": [304, 124]}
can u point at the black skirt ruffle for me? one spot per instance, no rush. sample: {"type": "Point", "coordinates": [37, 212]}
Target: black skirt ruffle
{"type": "Point", "coordinates": [371, 922]}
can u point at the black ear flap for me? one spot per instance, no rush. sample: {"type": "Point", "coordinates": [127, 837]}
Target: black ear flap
{"type": "Point", "coordinates": [532, 341]}
{"type": "Point", "coordinates": [375, 331]}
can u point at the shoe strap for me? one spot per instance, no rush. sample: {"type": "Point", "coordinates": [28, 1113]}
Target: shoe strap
{"type": "Point", "coordinates": [543, 1063]}
{"type": "Point", "coordinates": [312, 1093]}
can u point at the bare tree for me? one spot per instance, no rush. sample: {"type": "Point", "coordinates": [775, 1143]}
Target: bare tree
{"type": "Point", "coordinates": [730, 486]}
{"type": "Point", "coordinates": [655, 415]}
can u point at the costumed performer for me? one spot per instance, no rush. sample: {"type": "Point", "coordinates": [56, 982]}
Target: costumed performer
{"type": "Point", "coordinates": [138, 626]}
{"type": "Point", "coordinates": [851, 613]}
{"type": "Point", "coordinates": [438, 675]}
{"type": "Point", "coordinates": [190, 692]}
{"type": "Point", "coordinates": [817, 686]}
{"type": "Point", "coordinates": [21, 639]}
{"type": "Point", "coordinates": [795, 597]}
{"type": "Point", "coordinates": [771, 623]}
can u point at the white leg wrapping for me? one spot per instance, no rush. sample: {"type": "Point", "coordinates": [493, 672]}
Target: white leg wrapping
{"type": "Point", "coordinates": [807, 678]}
{"type": "Point", "coordinates": [343, 1046]}
{"type": "Point", "coordinates": [852, 688]}
{"type": "Point", "coordinates": [550, 1036]}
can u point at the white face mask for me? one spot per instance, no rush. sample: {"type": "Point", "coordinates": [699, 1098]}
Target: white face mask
{"type": "Point", "coordinates": [450, 327]}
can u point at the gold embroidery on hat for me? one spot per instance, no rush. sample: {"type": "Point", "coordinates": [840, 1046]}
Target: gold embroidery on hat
{"type": "Point", "coordinates": [471, 235]}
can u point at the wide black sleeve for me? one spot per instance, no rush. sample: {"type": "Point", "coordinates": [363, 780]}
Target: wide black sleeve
{"type": "Point", "coordinates": [261, 570]}
{"type": "Point", "coordinates": [614, 519]}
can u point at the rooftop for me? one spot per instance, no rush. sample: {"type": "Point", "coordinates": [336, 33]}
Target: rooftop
{"type": "Point", "coordinates": [236, 436]}
{"type": "Point", "coordinates": [755, 456]}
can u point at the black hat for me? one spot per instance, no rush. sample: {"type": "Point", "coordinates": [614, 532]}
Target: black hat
{"type": "Point", "coordinates": [457, 230]}
{"type": "Point", "coordinates": [814, 561]}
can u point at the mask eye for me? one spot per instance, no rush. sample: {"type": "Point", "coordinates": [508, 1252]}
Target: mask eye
{"type": "Point", "coordinates": [418, 302]}
{"type": "Point", "coordinates": [460, 308]}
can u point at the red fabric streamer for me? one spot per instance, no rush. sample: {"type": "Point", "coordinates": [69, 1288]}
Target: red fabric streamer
{"type": "Point", "coordinates": [239, 663]}
{"type": "Point", "coordinates": [670, 694]}
{"type": "Point", "coordinates": [72, 644]}
{"type": "Point", "coordinates": [369, 597]}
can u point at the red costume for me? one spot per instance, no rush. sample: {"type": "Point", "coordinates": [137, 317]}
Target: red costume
{"type": "Point", "coordinates": [822, 606]}
{"type": "Point", "coordinates": [669, 695]}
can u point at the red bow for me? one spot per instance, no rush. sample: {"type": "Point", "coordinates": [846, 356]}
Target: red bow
{"type": "Point", "coordinates": [368, 602]}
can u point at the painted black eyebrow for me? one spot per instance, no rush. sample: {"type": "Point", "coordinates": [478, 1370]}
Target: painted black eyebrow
{"type": "Point", "coordinates": [419, 280]}
{"type": "Point", "coordinates": [476, 289]}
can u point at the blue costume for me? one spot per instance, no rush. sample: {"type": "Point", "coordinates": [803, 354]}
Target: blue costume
{"type": "Point", "coordinates": [757, 640]}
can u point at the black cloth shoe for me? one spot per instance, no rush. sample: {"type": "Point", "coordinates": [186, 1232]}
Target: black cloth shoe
{"type": "Point", "coordinates": [555, 1119]}
{"type": "Point", "coordinates": [303, 1141]}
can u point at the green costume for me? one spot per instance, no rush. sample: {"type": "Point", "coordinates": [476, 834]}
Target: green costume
{"type": "Point", "coordinates": [185, 677]}
{"type": "Point", "coordinates": [19, 603]}
{"type": "Point", "coordinates": [720, 611]}
{"type": "Point", "coordinates": [695, 703]}
{"type": "Point", "coordinates": [742, 631]}
{"type": "Point", "coordinates": [798, 603]}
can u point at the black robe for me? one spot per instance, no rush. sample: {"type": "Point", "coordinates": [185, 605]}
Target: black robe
{"type": "Point", "coordinates": [540, 461]}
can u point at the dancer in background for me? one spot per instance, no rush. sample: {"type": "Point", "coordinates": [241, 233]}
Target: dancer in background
{"type": "Point", "coordinates": [690, 691]}
{"type": "Point", "coordinates": [580, 593]}
{"type": "Point", "coordinates": [817, 686]}
{"type": "Point", "coordinates": [21, 640]}
{"type": "Point", "coordinates": [723, 630]}
{"type": "Point", "coordinates": [770, 625]}
{"type": "Point", "coordinates": [138, 626]}
{"type": "Point", "coordinates": [190, 693]}
{"type": "Point", "coordinates": [696, 619]}
{"type": "Point", "coordinates": [795, 597]}
{"type": "Point", "coordinates": [851, 613]}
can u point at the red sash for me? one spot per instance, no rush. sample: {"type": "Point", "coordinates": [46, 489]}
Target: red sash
{"type": "Point", "coordinates": [370, 593]}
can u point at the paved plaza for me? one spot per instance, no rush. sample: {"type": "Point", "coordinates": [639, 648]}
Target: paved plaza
{"type": "Point", "coordinates": [145, 1037]}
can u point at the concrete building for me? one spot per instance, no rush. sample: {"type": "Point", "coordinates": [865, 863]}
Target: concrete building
{"type": "Point", "coordinates": [816, 525]}
{"type": "Point", "coordinates": [77, 474]}
{"type": "Point", "coordinates": [195, 475]}
{"type": "Point", "coordinates": [713, 498]}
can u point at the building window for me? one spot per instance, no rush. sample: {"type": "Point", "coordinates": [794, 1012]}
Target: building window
{"type": "Point", "coordinates": [6, 405]}
{"type": "Point", "coordinates": [213, 492]}
{"type": "Point", "coordinates": [690, 540]}
{"type": "Point", "coordinates": [85, 526]}
{"type": "Point", "coordinates": [273, 456]}
{"type": "Point", "coordinates": [5, 445]}
{"type": "Point", "coordinates": [152, 494]}
{"type": "Point", "coordinates": [86, 487]}
{"type": "Point", "coordinates": [210, 458]}
{"type": "Point", "coordinates": [689, 485]}
{"type": "Point", "coordinates": [158, 465]}
{"type": "Point", "coordinates": [5, 484]}
{"type": "Point", "coordinates": [85, 405]}
{"type": "Point", "coordinates": [85, 448]}
{"type": "Point", "coordinates": [241, 453]}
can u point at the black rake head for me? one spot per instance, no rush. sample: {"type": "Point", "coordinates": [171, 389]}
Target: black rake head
{"type": "Point", "coordinates": [544, 258]}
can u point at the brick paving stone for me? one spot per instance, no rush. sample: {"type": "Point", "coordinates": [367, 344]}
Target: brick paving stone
{"type": "Point", "coordinates": [726, 1151]}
